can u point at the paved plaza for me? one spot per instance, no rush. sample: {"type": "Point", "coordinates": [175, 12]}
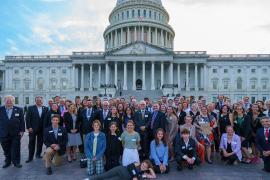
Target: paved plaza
{"type": "Point", "coordinates": [218, 171]}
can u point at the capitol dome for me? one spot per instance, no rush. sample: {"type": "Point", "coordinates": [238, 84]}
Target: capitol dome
{"type": "Point", "coordinates": [122, 1]}
{"type": "Point", "coordinates": [134, 21]}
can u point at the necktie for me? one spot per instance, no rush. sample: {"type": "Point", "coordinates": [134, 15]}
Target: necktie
{"type": "Point", "coordinates": [104, 114]}
{"type": "Point", "coordinates": [9, 113]}
{"type": "Point", "coordinates": [266, 133]}
{"type": "Point", "coordinates": [153, 119]}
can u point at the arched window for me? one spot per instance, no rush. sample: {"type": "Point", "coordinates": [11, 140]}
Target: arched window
{"type": "Point", "coordinates": [27, 83]}
{"type": "Point", "coordinates": [16, 84]}
{"type": "Point", "coordinates": [226, 83]}
{"type": "Point", "coordinates": [53, 83]}
{"type": "Point", "coordinates": [253, 83]}
{"type": "Point", "coordinates": [64, 84]}
{"type": "Point", "coordinates": [239, 83]}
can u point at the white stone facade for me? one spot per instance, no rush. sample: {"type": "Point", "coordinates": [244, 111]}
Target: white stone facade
{"type": "Point", "coordinates": [138, 58]}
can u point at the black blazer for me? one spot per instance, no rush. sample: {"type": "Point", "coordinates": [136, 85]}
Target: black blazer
{"type": "Point", "coordinates": [68, 121]}
{"type": "Point", "coordinates": [261, 143]}
{"type": "Point", "coordinates": [109, 119]}
{"type": "Point", "coordinates": [142, 121]}
{"type": "Point", "coordinates": [13, 126]}
{"type": "Point", "coordinates": [101, 118]}
{"type": "Point", "coordinates": [61, 140]}
{"type": "Point", "coordinates": [160, 122]}
{"type": "Point", "coordinates": [33, 120]}
{"type": "Point", "coordinates": [180, 148]}
{"type": "Point", "coordinates": [87, 123]}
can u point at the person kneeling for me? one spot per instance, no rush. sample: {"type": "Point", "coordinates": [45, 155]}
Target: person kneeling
{"type": "Point", "coordinates": [159, 152]}
{"type": "Point", "coordinates": [185, 150]}
{"type": "Point", "coordinates": [95, 145]}
{"type": "Point", "coordinates": [55, 139]}
{"type": "Point", "coordinates": [230, 147]}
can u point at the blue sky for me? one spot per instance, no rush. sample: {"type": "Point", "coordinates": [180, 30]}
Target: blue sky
{"type": "Point", "coordinates": [62, 26]}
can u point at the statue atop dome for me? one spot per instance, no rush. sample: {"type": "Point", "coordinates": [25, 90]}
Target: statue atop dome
{"type": "Point", "coordinates": [122, 1]}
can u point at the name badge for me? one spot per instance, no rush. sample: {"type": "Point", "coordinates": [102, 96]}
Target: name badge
{"type": "Point", "coordinates": [190, 148]}
{"type": "Point", "coordinates": [146, 115]}
{"type": "Point", "coordinates": [109, 119]}
{"type": "Point", "coordinates": [17, 115]}
{"type": "Point", "coordinates": [183, 147]}
{"type": "Point", "coordinates": [60, 134]}
{"type": "Point", "coordinates": [50, 131]}
{"type": "Point", "coordinates": [119, 139]}
{"type": "Point", "coordinates": [133, 140]}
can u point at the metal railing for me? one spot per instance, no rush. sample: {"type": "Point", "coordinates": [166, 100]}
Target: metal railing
{"type": "Point", "coordinates": [40, 57]}
{"type": "Point", "coordinates": [246, 56]}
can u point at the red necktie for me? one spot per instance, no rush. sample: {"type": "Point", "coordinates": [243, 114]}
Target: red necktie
{"type": "Point", "coordinates": [266, 135]}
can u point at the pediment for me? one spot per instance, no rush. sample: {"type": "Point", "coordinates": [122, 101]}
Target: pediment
{"type": "Point", "coordinates": [139, 48]}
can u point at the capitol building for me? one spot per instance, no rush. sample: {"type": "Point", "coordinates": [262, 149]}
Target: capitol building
{"type": "Point", "coordinates": [138, 59]}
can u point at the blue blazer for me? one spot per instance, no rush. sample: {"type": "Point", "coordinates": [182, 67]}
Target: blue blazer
{"type": "Point", "coordinates": [33, 120]}
{"type": "Point", "coordinates": [101, 145]}
{"type": "Point", "coordinates": [261, 141]}
{"type": "Point", "coordinates": [14, 125]}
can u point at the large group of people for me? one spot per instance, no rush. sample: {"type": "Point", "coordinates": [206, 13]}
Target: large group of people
{"type": "Point", "coordinates": [133, 139]}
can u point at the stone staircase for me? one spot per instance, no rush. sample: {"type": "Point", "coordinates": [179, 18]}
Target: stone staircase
{"type": "Point", "coordinates": [140, 95]}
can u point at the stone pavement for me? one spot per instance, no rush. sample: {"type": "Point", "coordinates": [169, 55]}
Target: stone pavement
{"type": "Point", "coordinates": [36, 171]}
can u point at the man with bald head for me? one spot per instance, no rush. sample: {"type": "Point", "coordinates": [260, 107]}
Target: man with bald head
{"type": "Point", "coordinates": [12, 128]}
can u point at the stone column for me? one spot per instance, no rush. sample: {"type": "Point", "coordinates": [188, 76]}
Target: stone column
{"type": "Point", "coordinates": [125, 76]}
{"type": "Point", "coordinates": [115, 74]}
{"type": "Point", "coordinates": [149, 35]}
{"type": "Point", "coordinates": [116, 39]}
{"type": "Point", "coordinates": [99, 75]}
{"type": "Point", "coordinates": [142, 35]}
{"type": "Point", "coordinates": [156, 33]}
{"type": "Point", "coordinates": [128, 35]}
{"type": "Point", "coordinates": [122, 37]}
{"type": "Point", "coordinates": [161, 38]}
{"type": "Point", "coordinates": [143, 76]}
{"type": "Point", "coordinates": [166, 38]}
{"type": "Point", "coordinates": [171, 73]}
{"type": "Point", "coordinates": [179, 76]}
{"type": "Point", "coordinates": [134, 76]}
{"type": "Point", "coordinates": [153, 76]}
{"type": "Point", "coordinates": [135, 33]}
{"type": "Point", "coordinates": [91, 77]}
{"type": "Point", "coordinates": [162, 74]}
{"type": "Point", "coordinates": [187, 77]}
{"type": "Point", "coordinates": [73, 77]}
{"type": "Point", "coordinates": [107, 73]}
{"type": "Point", "coordinates": [196, 77]}
{"type": "Point", "coordinates": [205, 77]}
{"type": "Point", "coordinates": [82, 77]}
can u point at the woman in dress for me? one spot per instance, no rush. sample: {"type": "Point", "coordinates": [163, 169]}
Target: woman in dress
{"type": "Point", "coordinates": [225, 119]}
{"type": "Point", "coordinates": [131, 143]}
{"type": "Point", "coordinates": [205, 123]}
{"type": "Point", "coordinates": [242, 127]}
{"type": "Point", "coordinates": [171, 129]}
{"type": "Point", "coordinates": [128, 116]}
{"type": "Point", "coordinates": [72, 125]}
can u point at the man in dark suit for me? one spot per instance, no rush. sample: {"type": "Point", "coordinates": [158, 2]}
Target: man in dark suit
{"type": "Point", "coordinates": [88, 115]}
{"type": "Point", "coordinates": [185, 150]}
{"type": "Point", "coordinates": [103, 114]}
{"type": "Point", "coordinates": [12, 128]}
{"type": "Point", "coordinates": [35, 123]}
{"type": "Point", "coordinates": [142, 119]}
{"type": "Point", "coordinates": [158, 120]}
{"type": "Point", "coordinates": [263, 142]}
{"type": "Point", "coordinates": [55, 139]}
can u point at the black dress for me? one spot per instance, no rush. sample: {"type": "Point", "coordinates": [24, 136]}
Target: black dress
{"type": "Point", "coordinates": [113, 151]}
{"type": "Point", "coordinates": [223, 121]}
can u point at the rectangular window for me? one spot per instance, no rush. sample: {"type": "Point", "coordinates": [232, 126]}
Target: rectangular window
{"type": "Point", "coordinates": [16, 100]}
{"type": "Point", "coordinates": [214, 70]}
{"type": "Point", "coordinates": [225, 71]}
{"type": "Point", "coordinates": [27, 100]}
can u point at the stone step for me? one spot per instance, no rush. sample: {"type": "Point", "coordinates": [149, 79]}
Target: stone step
{"type": "Point", "coordinates": [140, 95]}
